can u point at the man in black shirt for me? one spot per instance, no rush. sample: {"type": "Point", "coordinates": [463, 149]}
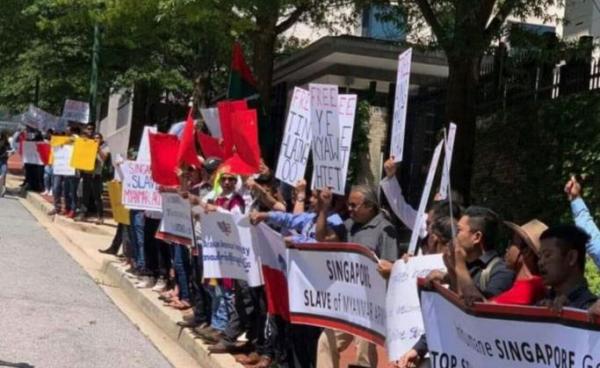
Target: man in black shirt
{"type": "Point", "coordinates": [562, 266]}
{"type": "Point", "coordinates": [478, 271]}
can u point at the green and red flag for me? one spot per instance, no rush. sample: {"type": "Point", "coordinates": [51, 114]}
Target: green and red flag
{"type": "Point", "coordinates": [241, 81]}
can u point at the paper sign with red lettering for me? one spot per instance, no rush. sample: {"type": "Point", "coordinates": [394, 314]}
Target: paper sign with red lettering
{"type": "Point", "coordinates": [325, 124]}
{"type": "Point", "coordinates": [31, 154]}
{"type": "Point", "coordinates": [295, 147]}
{"type": "Point", "coordinates": [163, 153]}
{"type": "Point", "coordinates": [140, 192]}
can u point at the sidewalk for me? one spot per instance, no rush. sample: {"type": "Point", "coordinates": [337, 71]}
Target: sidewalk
{"type": "Point", "coordinates": [83, 240]}
{"type": "Point", "coordinates": [86, 238]}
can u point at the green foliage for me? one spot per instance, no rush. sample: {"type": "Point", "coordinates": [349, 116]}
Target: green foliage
{"type": "Point", "coordinates": [360, 141]}
{"type": "Point", "coordinates": [592, 274]}
{"type": "Point", "coordinates": [526, 154]}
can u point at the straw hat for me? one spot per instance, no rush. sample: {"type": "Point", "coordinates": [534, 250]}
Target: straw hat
{"type": "Point", "coordinates": [529, 232]}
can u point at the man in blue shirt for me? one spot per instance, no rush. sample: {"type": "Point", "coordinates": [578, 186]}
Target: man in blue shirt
{"type": "Point", "coordinates": [583, 219]}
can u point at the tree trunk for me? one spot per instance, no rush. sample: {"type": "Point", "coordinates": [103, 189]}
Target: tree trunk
{"type": "Point", "coordinates": [263, 58]}
{"type": "Point", "coordinates": [461, 109]}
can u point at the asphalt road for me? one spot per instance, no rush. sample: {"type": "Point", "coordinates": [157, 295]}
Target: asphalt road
{"type": "Point", "coordinates": [52, 314]}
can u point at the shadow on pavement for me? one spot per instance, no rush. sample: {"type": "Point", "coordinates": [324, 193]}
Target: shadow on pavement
{"type": "Point", "coordinates": [16, 365]}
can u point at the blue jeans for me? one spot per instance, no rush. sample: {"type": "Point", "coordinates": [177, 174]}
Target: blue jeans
{"type": "Point", "coordinates": [181, 264]}
{"type": "Point", "coordinates": [3, 168]}
{"type": "Point", "coordinates": [63, 186]}
{"type": "Point", "coordinates": [48, 178]}
{"type": "Point", "coordinates": [222, 306]}
{"type": "Point", "coordinates": [136, 238]}
{"type": "Point", "coordinates": [70, 192]}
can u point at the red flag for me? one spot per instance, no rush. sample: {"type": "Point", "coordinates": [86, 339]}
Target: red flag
{"type": "Point", "coordinates": [210, 146]}
{"type": "Point", "coordinates": [239, 166]}
{"type": "Point", "coordinates": [245, 137]}
{"type": "Point", "coordinates": [43, 150]}
{"type": "Point", "coordinates": [163, 158]}
{"type": "Point", "coordinates": [226, 109]}
{"type": "Point", "coordinates": [187, 150]}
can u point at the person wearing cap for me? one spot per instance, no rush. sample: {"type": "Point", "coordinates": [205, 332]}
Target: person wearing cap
{"type": "Point", "coordinates": [522, 256]}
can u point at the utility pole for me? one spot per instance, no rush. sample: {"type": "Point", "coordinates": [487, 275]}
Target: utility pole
{"type": "Point", "coordinates": [94, 76]}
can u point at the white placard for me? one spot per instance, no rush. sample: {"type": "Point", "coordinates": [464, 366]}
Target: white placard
{"type": "Point", "coordinates": [31, 154]}
{"type": "Point", "coordinates": [297, 137]}
{"type": "Point", "coordinates": [61, 160]}
{"type": "Point", "coordinates": [507, 336]}
{"type": "Point", "coordinates": [39, 119]}
{"type": "Point", "coordinates": [227, 249]}
{"type": "Point", "coordinates": [337, 286]}
{"type": "Point", "coordinates": [176, 216]}
{"type": "Point", "coordinates": [76, 111]}
{"type": "Point", "coordinates": [414, 236]}
{"type": "Point", "coordinates": [211, 118]}
{"type": "Point", "coordinates": [400, 105]}
{"type": "Point", "coordinates": [404, 320]}
{"type": "Point", "coordinates": [140, 192]}
{"type": "Point", "coordinates": [327, 171]}
{"type": "Point", "coordinates": [347, 113]}
{"type": "Point", "coordinates": [448, 150]}
{"type": "Point", "coordinates": [144, 149]}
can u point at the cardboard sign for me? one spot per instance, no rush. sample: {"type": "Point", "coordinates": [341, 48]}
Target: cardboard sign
{"type": "Point", "coordinates": [489, 335]}
{"type": "Point", "coordinates": [337, 286]}
{"type": "Point", "coordinates": [76, 111]}
{"type": "Point", "coordinates": [414, 236]}
{"type": "Point", "coordinates": [448, 149]}
{"type": "Point", "coordinates": [347, 113]}
{"type": "Point", "coordinates": [62, 156]}
{"type": "Point", "coordinates": [176, 221]}
{"type": "Point", "coordinates": [140, 192]}
{"type": "Point", "coordinates": [297, 137]}
{"type": "Point", "coordinates": [39, 119]}
{"type": "Point", "coordinates": [30, 153]}
{"type": "Point", "coordinates": [227, 248]}
{"type": "Point", "coordinates": [84, 154]}
{"type": "Point", "coordinates": [400, 105]}
{"type": "Point", "coordinates": [211, 119]}
{"type": "Point", "coordinates": [326, 146]}
{"type": "Point", "coordinates": [404, 320]}
{"type": "Point", "coordinates": [144, 149]}
{"type": "Point", "coordinates": [119, 212]}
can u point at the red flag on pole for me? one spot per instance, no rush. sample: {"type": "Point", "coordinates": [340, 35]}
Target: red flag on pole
{"type": "Point", "coordinates": [210, 146]}
{"type": "Point", "coordinates": [226, 109]}
{"type": "Point", "coordinates": [187, 150]}
{"type": "Point", "coordinates": [246, 160]}
{"type": "Point", "coordinates": [163, 158]}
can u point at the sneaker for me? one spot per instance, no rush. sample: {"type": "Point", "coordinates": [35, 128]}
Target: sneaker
{"type": "Point", "coordinates": [52, 212]}
{"type": "Point", "coordinates": [161, 284]}
{"type": "Point", "coordinates": [71, 214]}
{"type": "Point", "coordinates": [45, 192]}
{"type": "Point", "coordinates": [145, 282]}
{"type": "Point", "coordinates": [2, 192]}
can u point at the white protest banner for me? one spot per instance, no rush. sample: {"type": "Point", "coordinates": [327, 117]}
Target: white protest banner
{"type": "Point", "coordinates": [31, 155]}
{"type": "Point", "coordinates": [414, 236]}
{"type": "Point", "coordinates": [62, 160]}
{"type": "Point", "coordinates": [143, 154]}
{"type": "Point", "coordinates": [336, 285]}
{"type": "Point", "coordinates": [297, 137]}
{"type": "Point", "coordinates": [76, 111]}
{"type": "Point", "coordinates": [347, 112]}
{"type": "Point", "coordinates": [325, 124]}
{"type": "Point", "coordinates": [400, 105]}
{"type": "Point", "coordinates": [494, 335]}
{"type": "Point", "coordinates": [140, 192]}
{"type": "Point", "coordinates": [39, 119]}
{"type": "Point", "coordinates": [227, 249]}
{"type": "Point", "coordinates": [176, 221]}
{"type": "Point", "coordinates": [448, 149]}
{"type": "Point", "coordinates": [211, 118]}
{"type": "Point", "coordinates": [404, 320]}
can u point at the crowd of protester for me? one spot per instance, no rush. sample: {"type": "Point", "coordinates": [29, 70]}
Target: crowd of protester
{"type": "Point", "coordinates": [542, 265]}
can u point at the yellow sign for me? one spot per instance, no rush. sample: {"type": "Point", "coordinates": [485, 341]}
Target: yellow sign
{"type": "Point", "coordinates": [120, 213]}
{"type": "Point", "coordinates": [84, 154]}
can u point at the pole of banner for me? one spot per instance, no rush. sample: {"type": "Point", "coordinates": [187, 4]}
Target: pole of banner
{"type": "Point", "coordinates": [449, 191]}
{"type": "Point", "coordinates": [381, 160]}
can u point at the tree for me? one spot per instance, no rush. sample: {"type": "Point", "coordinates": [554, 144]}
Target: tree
{"type": "Point", "coordinates": [464, 30]}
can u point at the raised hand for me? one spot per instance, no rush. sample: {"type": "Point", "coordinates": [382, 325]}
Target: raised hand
{"type": "Point", "coordinates": [390, 167]}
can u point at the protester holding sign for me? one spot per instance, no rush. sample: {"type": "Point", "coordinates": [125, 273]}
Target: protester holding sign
{"type": "Point", "coordinates": [92, 182]}
{"type": "Point", "coordinates": [583, 219]}
{"type": "Point", "coordinates": [366, 226]}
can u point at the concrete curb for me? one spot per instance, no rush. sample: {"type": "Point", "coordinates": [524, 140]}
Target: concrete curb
{"type": "Point", "coordinates": [41, 204]}
{"type": "Point", "coordinates": [165, 319]}
{"type": "Point", "coordinates": [144, 299]}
